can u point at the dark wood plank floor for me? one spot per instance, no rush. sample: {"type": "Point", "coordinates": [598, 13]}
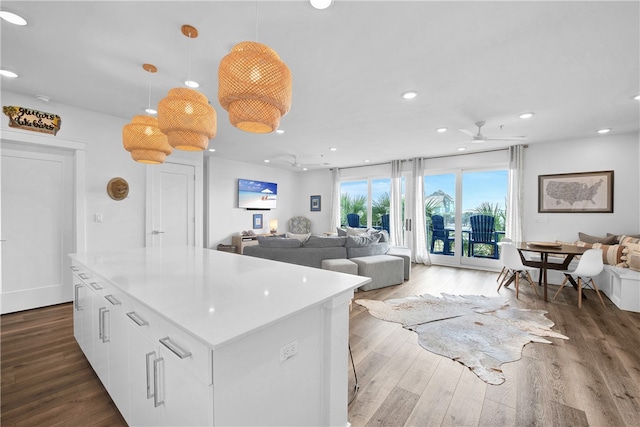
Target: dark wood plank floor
{"type": "Point", "coordinates": [593, 379]}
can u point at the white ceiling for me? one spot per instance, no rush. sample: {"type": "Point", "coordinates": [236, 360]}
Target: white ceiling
{"type": "Point", "coordinates": [575, 64]}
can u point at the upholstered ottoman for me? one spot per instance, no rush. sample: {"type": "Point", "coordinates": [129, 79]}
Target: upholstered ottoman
{"type": "Point", "coordinates": [341, 265]}
{"type": "Point", "coordinates": [384, 270]}
{"type": "Point", "coordinates": [405, 254]}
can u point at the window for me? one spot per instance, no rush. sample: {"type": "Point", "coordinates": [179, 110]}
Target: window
{"type": "Point", "coordinates": [369, 199]}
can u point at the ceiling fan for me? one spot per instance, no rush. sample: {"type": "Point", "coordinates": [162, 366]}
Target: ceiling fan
{"type": "Point", "coordinates": [295, 162]}
{"type": "Point", "coordinates": [479, 138]}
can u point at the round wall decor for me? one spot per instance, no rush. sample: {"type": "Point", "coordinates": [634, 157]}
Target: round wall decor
{"type": "Point", "coordinates": [118, 188]}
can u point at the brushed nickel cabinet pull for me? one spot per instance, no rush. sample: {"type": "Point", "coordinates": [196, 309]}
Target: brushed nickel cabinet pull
{"type": "Point", "coordinates": [175, 349]}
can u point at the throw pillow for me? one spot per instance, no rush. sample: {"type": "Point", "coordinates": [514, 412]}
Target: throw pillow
{"type": "Point", "coordinates": [611, 254]}
{"type": "Point", "coordinates": [360, 241]}
{"type": "Point", "coordinates": [384, 236]}
{"type": "Point", "coordinates": [609, 240]}
{"type": "Point", "coordinates": [301, 237]}
{"type": "Point", "coordinates": [629, 239]}
{"type": "Point", "coordinates": [628, 249]}
{"type": "Point", "coordinates": [634, 261]}
{"type": "Point", "coordinates": [356, 231]}
{"type": "Point", "coordinates": [278, 242]}
{"type": "Point", "coordinates": [341, 231]}
{"type": "Point", "coordinates": [325, 242]}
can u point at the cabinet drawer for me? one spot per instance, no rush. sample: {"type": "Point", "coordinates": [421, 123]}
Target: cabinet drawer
{"type": "Point", "coordinates": [186, 352]}
{"type": "Point", "coordinates": [175, 345]}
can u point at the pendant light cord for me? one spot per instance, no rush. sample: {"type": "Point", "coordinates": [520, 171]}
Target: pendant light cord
{"type": "Point", "coordinates": [189, 58]}
{"type": "Point", "coordinates": [256, 20]}
{"type": "Point", "coordinates": [149, 100]}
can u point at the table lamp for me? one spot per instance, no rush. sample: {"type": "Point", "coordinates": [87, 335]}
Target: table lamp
{"type": "Point", "coordinates": [273, 225]}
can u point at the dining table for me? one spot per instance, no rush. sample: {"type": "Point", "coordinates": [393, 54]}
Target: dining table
{"type": "Point", "coordinates": [563, 252]}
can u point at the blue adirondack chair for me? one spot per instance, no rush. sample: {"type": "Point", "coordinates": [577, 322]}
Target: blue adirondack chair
{"type": "Point", "coordinates": [353, 220]}
{"type": "Point", "coordinates": [439, 233]}
{"type": "Point", "coordinates": [385, 222]}
{"type": "Point", "coordinates": [483, 231]}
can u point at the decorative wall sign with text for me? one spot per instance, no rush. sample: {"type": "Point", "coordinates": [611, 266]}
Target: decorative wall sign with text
{"type": "Point", "coordinates": [28, 119]}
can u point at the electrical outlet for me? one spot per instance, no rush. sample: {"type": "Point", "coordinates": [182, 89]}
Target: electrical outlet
{"type": "Point", "coordinates": [97, 217]}
{"type": "Point", "coordinates": [288, 351]}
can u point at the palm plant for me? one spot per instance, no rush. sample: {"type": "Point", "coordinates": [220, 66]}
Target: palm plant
{"type": "Point", "coordinates": [353, 204]}
{"type": "Point", "coordinates": [380, 207]}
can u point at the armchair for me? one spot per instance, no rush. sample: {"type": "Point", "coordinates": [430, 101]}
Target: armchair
{"type": "Point", "coordinates": [483, 232]}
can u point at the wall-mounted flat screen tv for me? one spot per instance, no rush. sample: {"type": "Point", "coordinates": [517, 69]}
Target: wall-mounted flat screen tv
{"type": "Point", "coordinates": [257, 194]}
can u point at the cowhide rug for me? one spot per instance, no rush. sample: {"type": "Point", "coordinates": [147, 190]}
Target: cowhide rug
{"type": "Point", "coordinates": [480, 332]}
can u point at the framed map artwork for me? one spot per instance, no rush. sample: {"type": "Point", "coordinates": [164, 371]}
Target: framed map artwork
{"type": "Point", "coordinates": [576, 192]}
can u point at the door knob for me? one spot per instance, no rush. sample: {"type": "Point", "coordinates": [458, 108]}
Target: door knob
{"type": "Point", "coordinates": [157, 232]}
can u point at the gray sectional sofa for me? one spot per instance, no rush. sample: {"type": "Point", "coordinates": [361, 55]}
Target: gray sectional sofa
{"type": "Point", "coordinates": [312, 250]}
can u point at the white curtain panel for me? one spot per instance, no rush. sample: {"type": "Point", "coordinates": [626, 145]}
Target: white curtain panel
{"type": "Point", "coordinates": [396, 230]}
{"type": "Point", "coordinates": [514, 226]}
{"type": "Point", "coordinates": [420, 252]}
{"type": "Point", "coordinates": [335, 198]}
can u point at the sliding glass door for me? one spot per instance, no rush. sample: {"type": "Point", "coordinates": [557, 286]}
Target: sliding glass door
{"type": "Point", "coordinates": [466, 214]}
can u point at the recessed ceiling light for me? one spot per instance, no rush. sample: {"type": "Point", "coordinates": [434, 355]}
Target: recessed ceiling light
{"type": "Point", "coordinates": [267, 160]}
{"type": "Point", "coordinates": [367, 161]}
{"type": "Point", "coordinates": [442, 130]}
{"type": "Point", "coordinates": [637, 98]}
{"type": "Point", "coordinates": [7, 73]}
{"type": "Point", "coordinates": [212, 149]}
{"type": "Point", "coordinates": [304, 169]}
{"type": "Point", "coordinates": [321, 4]}
{"type": "Point", "coordinates": [409, 95]}
{"type": "Point", "coordinates": [606, 130]}
{"type": "Point", "coordinates": [279, 131]}
{"type": "Point", "coordinates": [191, 83]}
{"type": "Point", "coordinates": [462, 149]}
{"type": "Point", "coordinates": [526, 115]}
{"type": "Point", "coordinates": [12, 18]}
{"type": "Point", "coordinates": [43, 98]}
{"type": "Point", "coordinates": [333, 149]}
{"type": "Point", "coordinates": [150, 111]}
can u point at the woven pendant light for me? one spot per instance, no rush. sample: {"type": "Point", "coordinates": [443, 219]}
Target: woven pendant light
{"type": "Point", "coordinates": [254, 86]}
{"type": "Point", "coordinates": [142, 137]}
{"type": "Point", "coordinates": [185, 115]}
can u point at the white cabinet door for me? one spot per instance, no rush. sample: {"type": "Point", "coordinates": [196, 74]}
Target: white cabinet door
{"type": "Point", "coordinates": [186, 400]}
{"type": "Point", "coordinates": [142, 353]}
{"type": "Point", "coordinates": [100, 360]}
{"type": "Point", "coordinates": [118, 354]}
{"type": "Point", "coordinates": [84, 315]}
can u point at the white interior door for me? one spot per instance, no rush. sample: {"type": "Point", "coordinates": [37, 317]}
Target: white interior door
{"type": "Point", "coordinates": [171, 213]}
{"type": "Point", "coordinates": [37, 222]}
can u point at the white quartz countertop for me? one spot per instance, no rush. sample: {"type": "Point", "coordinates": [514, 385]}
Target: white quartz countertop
{"type": "Point", "coordinates": [216, 296]}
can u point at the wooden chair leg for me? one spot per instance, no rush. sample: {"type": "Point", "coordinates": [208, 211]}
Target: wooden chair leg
{"type": "Point", "coordinates": [500, 274]}
{"type": "Point", "coordinates": [564, 282]}
{"type": "Point", "coordinates": [533, 285]}
{"type": "Point", "coordinates": [579, 292]}
{"type": "Point", "coordinates": [598, 292]}
{"type": "Point", "coordinates": [517, 274]}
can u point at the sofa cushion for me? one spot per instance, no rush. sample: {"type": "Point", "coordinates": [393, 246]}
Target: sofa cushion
{"type": "Point", "coordinates": [301, 237]}
{"type": "Point", "coordinates": [278, 242]}
{"type": "Point", "coordinates": [608, 240]}
{"type": "Point", "coordinates": [324, 242]}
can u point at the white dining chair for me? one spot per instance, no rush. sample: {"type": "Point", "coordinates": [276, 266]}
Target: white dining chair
{"type": "Point", "coordinates": [504, 269]}
{"type": "Point", "coordinates": [513, 265]}
{"type": "Point", "coordinates": [589, 266]}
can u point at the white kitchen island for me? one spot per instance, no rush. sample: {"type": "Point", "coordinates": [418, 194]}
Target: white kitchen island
{"type": "Point", "coordinates": [191, 336]}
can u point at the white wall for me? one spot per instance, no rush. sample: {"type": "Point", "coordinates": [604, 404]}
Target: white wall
{"type": "Point", "coordinates": [123, 221]}
{"type": "Point", "coordinates": [294, 188]}
{"type": "Point", "coordinates": [619, 153]}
